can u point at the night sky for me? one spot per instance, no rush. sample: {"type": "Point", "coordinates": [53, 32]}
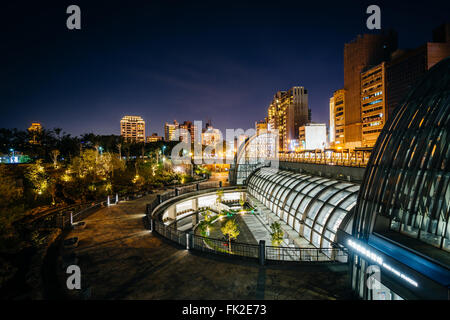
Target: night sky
{"type": "Point", "coordinates": [187, 60]}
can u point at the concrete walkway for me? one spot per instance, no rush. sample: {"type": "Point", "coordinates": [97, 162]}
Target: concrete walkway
{"type": "Point", "coordinates": [258, 229]}
{"type": "Point", "coordinates": [292, 236]}
{"type": "Point", "coordinates": [119, 259]}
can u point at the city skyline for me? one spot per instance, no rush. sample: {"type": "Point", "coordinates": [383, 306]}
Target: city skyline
{"type": "Point", "coordinates": [237, 62]}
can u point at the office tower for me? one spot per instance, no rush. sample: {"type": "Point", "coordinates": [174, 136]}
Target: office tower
{"type": "Point", "coordinates": [337, 119]}
{"type": "Point", "coordinates": [286, 113]}
{"type": "Point", "coordinates": [191, 128]}
{"type": "Point", "coordinates": [373, 103]}
{"type": "Point", "coordinates": [365, 51]}
{"type": "Point", "coordinates": [408, 66]}
{"type": "Point", "coordinates": [132, 128]}
{"type": "Point", "coordinates": [169, 130]}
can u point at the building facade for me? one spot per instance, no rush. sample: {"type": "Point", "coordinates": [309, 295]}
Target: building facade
{"type": "Point", "coordinates": [188, 129]}
{"type": "Point", "coordinates": [364, 51]}
{"type": "Point", "coordinates": [400, 240]}
{"type": "Point", "coordinates": [408, 66]}
{"type": "Point", "coordinates": [286, 113]}
{"type": "Point", "coordinates": [337, 119]}
{"type": "Point", "coordinates": [169, 130]}
{"type": "Point", "coordinates": [132, 128]}
{"type": "Point", "coordinates": [154, 138]}
{"type": "Point", "coordinates": [312, 136]}
{"type": "Point", "coordinates": [211, 136]}
{"type": "Point", "coordinates": [261, 126]}
{"type": "Point", "coordinates": [373, 103]}
{"type": "Point", "coordinates": [35, 129]}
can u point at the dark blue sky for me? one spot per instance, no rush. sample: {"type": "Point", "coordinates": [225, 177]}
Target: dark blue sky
{"type": "Point", "coordinates": [184, 60]}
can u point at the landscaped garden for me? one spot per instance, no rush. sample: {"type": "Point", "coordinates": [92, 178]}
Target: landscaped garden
{"type": "Point", "coordinates": [67, 173]}
{"type": "Point", "coordinates": [228, 226]}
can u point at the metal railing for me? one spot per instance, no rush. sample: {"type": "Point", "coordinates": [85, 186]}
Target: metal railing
{"type": "Point", "coordinates": [218, 246]}
{"type": "Point", "coordinates": [170, 233]}
{"type": "Point", "coordinates": [208, 185]}
{"type": "Point", "coordinates": [66, 216]}
{"type": "Point", "coordinates": [246, 250]}
{"type": "Point", "coordinates": [181, 190]}
{"type": "Point", "coordinates": [187, 189]}
{"type": "Point", "coordinates": [166, 196]}
{"type": "Point", "coordinates": [305, 254]}
{"type": "Point", "coordinates": [337, 159]}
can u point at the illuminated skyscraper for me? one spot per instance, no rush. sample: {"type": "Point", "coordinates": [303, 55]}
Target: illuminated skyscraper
{"type": "Point", "coordinates": [337, 118]}
{"type": "Point", "coordinates": [132, 128]}
{"type": "Point", "coordinates": [373, 103]}
{"type": "Point", "coordinates": [188, 126]}
{"type": "Point", "coordinates": [169, 130]}
{"type": "Point", "coordinates": [365, 51]}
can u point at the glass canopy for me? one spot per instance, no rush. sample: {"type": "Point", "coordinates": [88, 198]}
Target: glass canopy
{"type": "Point", "coordinates": [313, 206]}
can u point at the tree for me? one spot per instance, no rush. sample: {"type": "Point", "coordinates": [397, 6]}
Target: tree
{"type": "Point", "coordinates": [231, 231]}
{"type": "Point", "coordinates": [54, 155]}
{"type": "Point", "coordinates": [242, 200]}
{"type": "Point", "coordinates": [119, 147]}
{"type": "Point", "coordinates": [38, 177]}
{"type": "Point", "coordinates": [219, 194]}
{"type": "Point", "coordinates": [208, 216]}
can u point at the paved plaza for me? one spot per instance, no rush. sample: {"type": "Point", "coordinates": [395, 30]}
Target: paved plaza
{"type": "Point", "coordinates": [119, 259]}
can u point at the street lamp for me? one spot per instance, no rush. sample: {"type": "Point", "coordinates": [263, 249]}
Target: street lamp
{"type": "Point", "coordinates": [13, 155]}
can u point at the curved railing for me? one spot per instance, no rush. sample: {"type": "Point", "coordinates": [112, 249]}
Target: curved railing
{"type": "Point", "coordinates": [263, 253]}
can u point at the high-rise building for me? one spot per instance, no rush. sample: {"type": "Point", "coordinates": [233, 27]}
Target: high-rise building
{"type": "Point", "coordinates": [408, 66]}
{"type": "Point", "coordinates": [365, 51]}
{"type": "Point", "coordinates": [210, 135]}
{"type": "Point", "coordinates": [34, 131]}
{"type": "Point", "coordinates": [337, 118]}
{"type": "Point", "coordinates": [169, 130]}
{"type": "Point", "coordinates": [154, 138]}
{"type": "Point", "coordinates": [373, 103]}
{"type": "Point", "coordinates": [132, 128]}
{"type": "Point", "coordinates": [261, 126]}
{"type": "Point", "coordinates": [287, 112]}
{"type": "Point", "coordinates": [191, 128]}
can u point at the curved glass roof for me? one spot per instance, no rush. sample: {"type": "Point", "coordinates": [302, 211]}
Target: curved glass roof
{"type": "Point", "coordinates": [313, 206]}
{"type": "Point", "coordinates": [256, 152]}
{"type": "Point", "coordinates": [406, 185]}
